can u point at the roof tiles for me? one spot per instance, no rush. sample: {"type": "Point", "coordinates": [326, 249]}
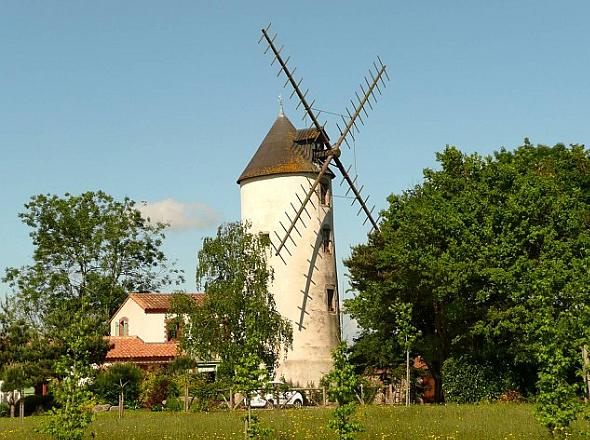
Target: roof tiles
{"type": "Point", "coordinates": [159, 302]}
{"type": "Point", "coordinates": [133, 348]}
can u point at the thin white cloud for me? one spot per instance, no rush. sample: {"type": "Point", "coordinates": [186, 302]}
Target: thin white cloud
{"type": "Point", "coordinates": [179, 215]}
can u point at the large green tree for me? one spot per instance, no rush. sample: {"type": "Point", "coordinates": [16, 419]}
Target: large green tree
{"type": "Point", "coordinates": [493, 255]}
{"type": "Point", "coordinates": [23, 354]}
{"type": "Point", "coordinates": [89, 251]}
{"type": "Point", "coordinates": [238, 316]}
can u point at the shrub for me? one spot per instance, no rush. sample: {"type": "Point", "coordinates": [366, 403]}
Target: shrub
{"type": "Point", "coordinates": [190, 384]}
{"type": "Point", "coordinates": [173, 404]}
{"type": "Point", "coordinates": [204, 394]}
{"type": "Point", "coordinates": [155, 388]}
{"type": "Point", "coordinates": [4, 410]}
{"type": "Point", "coordinates": [465, 380]}
{"type": "Point", "coordinates": [108, 383]}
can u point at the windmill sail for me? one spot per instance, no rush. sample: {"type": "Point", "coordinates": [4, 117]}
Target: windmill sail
{"type": "Point", "coordinates": [326, 153]}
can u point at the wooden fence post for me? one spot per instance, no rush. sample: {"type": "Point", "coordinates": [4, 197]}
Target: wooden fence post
{"type": "Point", "coordinates": [21, 405]}
{"type": "Point", "coordinates": [324, 397]}
{"type": "Point", "coordinates": [121, 403]}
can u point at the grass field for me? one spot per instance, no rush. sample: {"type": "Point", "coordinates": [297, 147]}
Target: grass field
{"type": "Point", "coordinates": [492, 421]}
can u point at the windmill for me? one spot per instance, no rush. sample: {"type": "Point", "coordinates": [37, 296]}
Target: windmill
{"type": "Point", "coordinates": [286, 192]}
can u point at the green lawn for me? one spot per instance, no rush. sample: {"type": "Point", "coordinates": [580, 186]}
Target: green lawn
{"type": "Point", "coordinates": [493, 421]}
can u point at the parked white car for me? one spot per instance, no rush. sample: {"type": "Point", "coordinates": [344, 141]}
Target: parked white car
{"type": "Point", "coordinates": [285, 398]}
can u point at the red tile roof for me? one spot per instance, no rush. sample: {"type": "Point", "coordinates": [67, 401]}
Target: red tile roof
{"type": "Point", "coordinates": [134, 349]}
{"type": "Point", "coordinates": [159, 302]}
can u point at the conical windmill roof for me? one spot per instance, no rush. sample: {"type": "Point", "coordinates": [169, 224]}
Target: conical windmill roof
{"type": "Point", "coordinates": [279, 153]}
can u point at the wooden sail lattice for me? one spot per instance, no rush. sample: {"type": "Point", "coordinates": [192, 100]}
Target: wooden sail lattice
{"type": "Point", "coordinates": [325, 153]}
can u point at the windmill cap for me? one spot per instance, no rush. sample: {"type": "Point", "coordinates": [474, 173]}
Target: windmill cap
{"type": "Point", "coordinates": [283, 151]}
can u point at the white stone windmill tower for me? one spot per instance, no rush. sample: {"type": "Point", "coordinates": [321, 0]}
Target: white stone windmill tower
{"type": "Point", "coordinates": [286, 192]}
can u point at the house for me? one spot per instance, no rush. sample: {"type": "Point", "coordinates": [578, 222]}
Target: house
{"type": "Point", "coordinates": [139, 334]}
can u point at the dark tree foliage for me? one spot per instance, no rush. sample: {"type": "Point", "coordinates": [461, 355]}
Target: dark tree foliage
{"type": "Point", "coordinates": [23, 354]}
{"type": "Point", "coordinates": [372, 351]}
{"type": "Point", "coordinates": [493, 254]}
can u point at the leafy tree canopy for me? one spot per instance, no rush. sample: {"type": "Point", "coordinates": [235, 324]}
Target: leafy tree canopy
{"type": "Point", "coordinates": [23, 354]}
{"type": "Point", "coordinates": [89, 252]}
{"type": "Point", "coordinates": [238, 315]}
{"type": "Point", "coordinates": [492, 253]}
{"type": "Point", "coordinates": [117, 378]}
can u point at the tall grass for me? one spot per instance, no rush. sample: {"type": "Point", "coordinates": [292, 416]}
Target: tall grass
{"type": "Point", "coordinates": [469, 422]}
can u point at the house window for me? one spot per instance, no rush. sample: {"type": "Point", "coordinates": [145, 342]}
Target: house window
{"type": "Point", "coordinates": [325, 193]}
{"type": "Point", "coordinates": [172, 329]}
{"type": "Point", "coordinates": [331, 298]}
{"type": "Point", "coordinates": [123, 327]}
{"type": "Point", "coordinates": [327, 240]}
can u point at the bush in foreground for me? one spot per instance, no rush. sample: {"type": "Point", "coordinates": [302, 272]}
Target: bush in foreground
{"type": "Point", "coordinates": [117, 377]}
{"type": "Point", "coordinates": [468, 381]}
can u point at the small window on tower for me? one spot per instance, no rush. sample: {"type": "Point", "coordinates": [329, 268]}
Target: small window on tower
{"type": "Point", "coordinates": [325, 193]}
{"type": "Point", "coordinates": [123, 327]}
{"type": "Point", "coordinates": [331, 299]}
{"type": "Point", "coordinates": [327, 240]}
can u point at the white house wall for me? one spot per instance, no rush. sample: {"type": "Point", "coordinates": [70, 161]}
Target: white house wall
{"type": "Point", "coordinates": [151, 327]}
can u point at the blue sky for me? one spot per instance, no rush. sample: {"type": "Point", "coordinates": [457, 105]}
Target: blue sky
{"type": "Point", "coordinates": [169, 100]}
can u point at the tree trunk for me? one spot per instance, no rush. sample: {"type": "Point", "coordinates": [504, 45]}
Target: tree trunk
{"type": "Point", "coordinates": [434, 366]}
{"type": "Point", "coordinates": [435, 370]}
{"type": "Point", "coordinates": [186, 397]}
{"type": "Point", "coordinates": [442, 349]}
{"type": "Point", "coordinates": [12, 410]}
